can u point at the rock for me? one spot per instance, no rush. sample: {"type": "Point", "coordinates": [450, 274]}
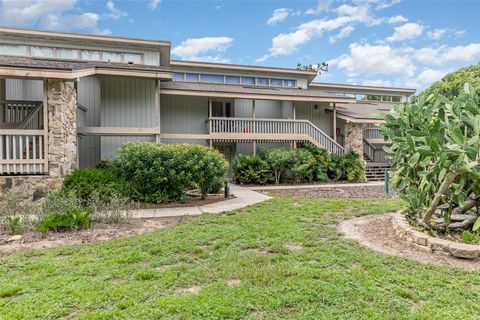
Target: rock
{"type": "Point", "coordinates": [437, 244]}
{"type": "Point", "coordinates": [15, 238]}
{"type": "Point", "coordinates": [459, 217]}
{"type": "Point", "coordinates": [462, 250]}
{"type": "Point", "coordinates": [419, 238]}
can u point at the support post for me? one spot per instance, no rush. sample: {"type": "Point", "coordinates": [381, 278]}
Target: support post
{"type": "Point", "coordinates": [3, 96]}
{"type": "Point", "coordinates": [253, 129]}
{"type": "Point", "coordinates": [334, 122]}
{"type": "Point", "coordinates": [294, 114]}
{"type": "Point", "coordinates": [158, 110]}
{"type": "Point", "coordinates": [210, 120]}
{"type": "Point", "coordinates": [45, 127]}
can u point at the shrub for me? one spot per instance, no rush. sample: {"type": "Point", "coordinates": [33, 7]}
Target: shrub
{"type": "Point", "coordinates": [105, 182]}
{"type": "Point", "coordinates": [64, 210]}
{"type": "Point", "coordinates": [304, 166]}
{"type": "Point", "coordinates": [323, 161]}
{"type": "Point", "coordinates": [16, 212]}
{"type": "Point", "coordinates": [347, 167]}
{"type": "Point", "coordinates": [163, 172]}
{"type": "Point", "coordinates": [280, 159]}
{"type": "Point", "coordinates": [111, 210]}
{"type": "Point", "coordinates": [251, 169]}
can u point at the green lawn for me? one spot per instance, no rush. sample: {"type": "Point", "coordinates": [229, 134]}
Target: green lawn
{"type": "Point", "coordinates": [329, 278]}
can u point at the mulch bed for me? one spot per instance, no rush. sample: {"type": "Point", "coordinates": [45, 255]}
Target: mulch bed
{"type": "Point", "coordinates": [194, 200]}
{"type": "Point", "coordinates": [336, 192]}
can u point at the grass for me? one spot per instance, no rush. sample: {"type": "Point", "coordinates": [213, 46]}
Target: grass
{"type": "Point", "coordinates": [237, 266]}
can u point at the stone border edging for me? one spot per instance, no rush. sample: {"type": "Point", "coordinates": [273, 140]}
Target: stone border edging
{"type": "Point", "coordinates": [427, 243]}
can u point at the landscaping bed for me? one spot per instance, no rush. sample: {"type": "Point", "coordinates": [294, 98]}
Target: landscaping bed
{"type": "Point", "coordinates": [194, 200]}
{"type": "Point", "coordinates": [98, 232]}
{"type": "Point", "coordinates": [338, 191]}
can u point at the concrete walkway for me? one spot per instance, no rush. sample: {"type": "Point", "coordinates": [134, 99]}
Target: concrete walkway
{"type": "Point", "coordinates": [318, 186]}
{"type": "Point", "coordinates": [244, 197]}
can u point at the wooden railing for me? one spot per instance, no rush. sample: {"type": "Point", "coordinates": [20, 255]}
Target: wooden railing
{"type": "Point", "coordinates": [374, 154]}
{"type": "Point", "coordinates": [372, 133]}
{"type": "Point", "coordinates": [22, 152]}
{"type": "Point", "coordinates": [275, 129]}
{"type": "Point", "coordinates": [16, 114]}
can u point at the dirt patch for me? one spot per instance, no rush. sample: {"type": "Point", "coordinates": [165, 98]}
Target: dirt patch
{"type": "Point", "coordinates": [376, 232]}
{"type": "Point", "coordinates": [294, 246]}
{"type": "Point", "coordinates": [193, 290]}
{"type": "Point", "coordinates": [234, 282]}
{"type": "Point", "coordinates": [336, 192]}
{"type": "Point", "coordinates": [99, 232]}
{"type": "Point", "coordinates": [260, 251]}
{"type": "Point", "coordinates": [194, 200]}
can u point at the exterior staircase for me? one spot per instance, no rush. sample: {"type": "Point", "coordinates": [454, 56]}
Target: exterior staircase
{"type": "Point", "coordinates": [375, 171]}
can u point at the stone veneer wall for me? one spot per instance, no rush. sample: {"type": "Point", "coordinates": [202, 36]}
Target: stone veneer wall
{"type": "Point", "coordinates": [62, 144]}
{"type": "Point", "coordinates": [354, 137]}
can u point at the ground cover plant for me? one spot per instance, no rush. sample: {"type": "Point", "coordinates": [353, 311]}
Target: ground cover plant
{"type": "Point", "coordinates": [435, 155]}
{"type": "Point", "coordinates": [305, 164]}
{"type": "Point", "coordinates": [279, 259]}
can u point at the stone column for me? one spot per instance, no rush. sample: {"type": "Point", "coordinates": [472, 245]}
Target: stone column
{"type": "Point", "coordinates": [62, 128]}
{"type": "Point", "coordinates": [354, 137]}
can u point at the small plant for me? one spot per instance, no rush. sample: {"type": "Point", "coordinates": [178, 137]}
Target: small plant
{"type": "Point", "coordinates": [304, 166]}
{"type": "Point", "coordinates": [251, 169]}
{"type": "Point", "coordinates": [280, 159]}
{"type": "Point", "coordinates": [112, 210]}
{"type": "Point", "coordinates": [184, 198]}
{"type": "Point", "coordinates": [74, 220]}
{"type": "Point", "coordinates": [16, 212]}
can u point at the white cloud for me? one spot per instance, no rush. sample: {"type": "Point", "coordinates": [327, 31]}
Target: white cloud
{"type": "Point", "coordinates": [396, 19]}
{"type": "Point", "coordinates": [377, 83]}
{"type": "Point", "coordinates": [115, 13]}
{"type": "Point", "coordinates": [407, 31]}
{"type": "Point", "coordinates": [153, 4]}
{"type": "Point", "coordinates": [430, 75]}
{"type": "Point", "coordinates": [323, 5]}
{"type": "Point", "coordinates": [436, 34]}
{"type": "Point", "coordinates": [345, 32]}
{"type": "Point", "coordinates": [48, 14]}
{"type": "Point", "coordinates": [278, 16]}
{"type": "Point", "coordinates": [368, 60]}
{"type": "Point", "coordinates": [199, 49]}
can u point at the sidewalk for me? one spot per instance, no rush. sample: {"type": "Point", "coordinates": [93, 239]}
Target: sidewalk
{"type": "Point", "coordinates": [244, 197]}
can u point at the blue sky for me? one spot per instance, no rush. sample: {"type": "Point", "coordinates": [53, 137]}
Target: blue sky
{"type": "Point", "coordinates": [371, 42]}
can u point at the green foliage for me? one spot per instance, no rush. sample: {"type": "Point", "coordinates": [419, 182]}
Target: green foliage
{"type": "Point", "coordinates": [251, 169]}
{"type": "Point", "coordinates": [469, 237]}
{"type": "Point", "coordinates": [323, 161]}
{"type": "Point", "coordinates": [435, 140]}
{"type": "Point", "coordinates": [280, 159]}
{"type": "Point", "coordinates": [163, 172]}
{"type": "Point", "coordinates": [15, 212]}
{"type": "Point", "coordinates": [348, 167]}
{"type": "Point", "coordinates": [64, 210]}
{"type": "Point", "coordinates": [304, 166]}
{"type": "Point", "coordinates": [105, 182]}
{"type": "Point", "coordinates": [452, 84]}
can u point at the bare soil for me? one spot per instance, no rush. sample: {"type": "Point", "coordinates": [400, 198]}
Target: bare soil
{"type": "Point", "coordinates": [336, 192]}
{"type": "Point", "coordinates": [376, 232]}
{"type": "Point", "coordinates": [98, 232]}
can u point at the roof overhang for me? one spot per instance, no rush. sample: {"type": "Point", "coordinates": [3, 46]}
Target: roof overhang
{"type": "Point", "coordinates": [356, 120]}
{"type": "Point", "coordinates": [362, 89]}
{"type": "Point", "coordinates": [37, 73]}
{"type": "Point", "coordinates": [255, 96]}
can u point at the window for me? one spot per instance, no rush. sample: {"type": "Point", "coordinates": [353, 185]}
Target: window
{"type": "Point", "coordinates": [67, 53]}
{"type": "Point", "coordinates": [45, 52]}
{"type": "Point", "coordinates": [178, 76]}
{"type": "Point", "coordinates": [276, 82]}
{"type": "Point", "coordinates": [191, 77]}
{"type": "Point", "coordinates": [396, 99]}
{"type": "Point", "coordinates": [90, 55]}
{"type": "Point", "coordinates": [263, 81]}
{"type": "Point", "coordinates": [112, 56]}
{"type": "Point", "coordinates": [132, 57]}
{"type": "Point", "coordinates": [215, 78]}
{"type": "Point", "coordinates": [233, 80]}
{"type": "Point", "coordinates": [289, 83]}
{"type": "Point", "coordinates": [248, 80]}
{"type": "Point", "coordinates": [13, 49]}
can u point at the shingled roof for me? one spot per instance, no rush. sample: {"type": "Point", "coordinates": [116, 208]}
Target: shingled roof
{"type": "Point", "coordinates": [363, 111]}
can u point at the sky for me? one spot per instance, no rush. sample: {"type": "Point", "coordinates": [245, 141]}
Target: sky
{"type": "Point", "coordinates": [371, 42]}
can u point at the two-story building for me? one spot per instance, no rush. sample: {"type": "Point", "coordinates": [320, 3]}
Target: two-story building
{"type": "Point", "coordinates": [69, 100]}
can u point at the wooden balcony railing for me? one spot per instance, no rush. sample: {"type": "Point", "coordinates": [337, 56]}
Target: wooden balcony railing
{"type": "Point", "coordinates": [274, 129]}
{"type": "Point", "coordinates": [22, 152]}
{"type": "Point", "coordinates": [372, 133]}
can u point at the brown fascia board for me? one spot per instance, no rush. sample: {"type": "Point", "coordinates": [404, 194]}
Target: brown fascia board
{"type": "Point", "coordinates": [359, 87]}
{"type": "Point", "coordinates": [83, 37]}
{"type": "Point", "coordinates": [237, 67]}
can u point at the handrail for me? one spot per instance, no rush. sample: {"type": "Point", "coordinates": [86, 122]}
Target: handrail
{"type": "Point", "coordinates": [276, 126]}
{"type": "Point", "coordinates": [35, 112]}
{"type": "Point", "coordinates": [369, 149]}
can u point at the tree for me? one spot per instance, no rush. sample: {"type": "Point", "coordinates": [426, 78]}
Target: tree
{"type": "Point", "coordinates": [319, 67]}
{"type": "Point", "coordinates": [435, 154]}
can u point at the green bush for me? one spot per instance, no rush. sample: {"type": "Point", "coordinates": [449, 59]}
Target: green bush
{"type": "Point", "coordinates": [347, 167]}
{"type": "Point", "coordinates": [105, 182]}
{"type": "Point", "coordinates": [64, 210]}
{"type": "Point", "coordinates": [280, 159]}
{"type": "Point", "coordinates": [16, 212]}
{"type": "Point", "coordinates": [323, 162]}
{"type": "Point", "coordinates": [251, 169]}
{"type": "Point", "coordinates": [163, 172]}
{"type": "Point", "coordinates": [304, 166]}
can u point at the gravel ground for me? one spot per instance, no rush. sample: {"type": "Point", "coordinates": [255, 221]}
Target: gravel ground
{"type": "Point", "coordinates": [336, 192]}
